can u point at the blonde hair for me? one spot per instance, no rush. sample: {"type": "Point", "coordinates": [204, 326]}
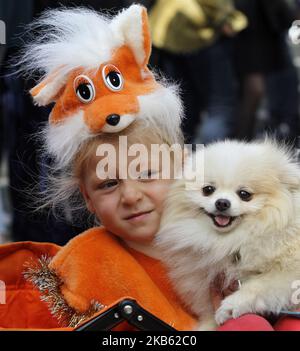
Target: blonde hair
{"type": "Point", "coordinates": [63, 195]}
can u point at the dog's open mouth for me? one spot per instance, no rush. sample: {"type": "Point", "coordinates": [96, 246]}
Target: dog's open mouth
{"type": "Point", "coordinates": [221, 221]}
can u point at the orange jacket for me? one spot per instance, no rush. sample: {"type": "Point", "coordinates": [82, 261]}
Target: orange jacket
{"type": "Point", "coordinates": [93, 266]}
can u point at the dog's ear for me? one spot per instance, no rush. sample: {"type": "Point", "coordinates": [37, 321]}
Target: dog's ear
{"type": "Point", "coordinates": [290, 175]}
{"type": "Point", "coordinates": [48, 89]}
{"type": "Point", "coordinates": [285, 162]}
{"type": "Point", "coordinates": [132, 24]}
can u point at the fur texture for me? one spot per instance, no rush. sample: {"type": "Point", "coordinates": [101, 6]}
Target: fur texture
{"type": "Point", "coordinates": [161, 110]}
{"type": "Point", "coordinates": [254, 239]}
{"type": "Point", "coordinates": [79, 47]}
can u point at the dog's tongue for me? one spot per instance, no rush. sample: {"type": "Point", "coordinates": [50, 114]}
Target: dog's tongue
{"type": "Point", "coordinates": [222, 220]}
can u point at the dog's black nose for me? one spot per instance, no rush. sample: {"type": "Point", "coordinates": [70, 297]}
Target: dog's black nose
{"type": "Point", "coordinates": [222, 204]}
{"type": "Point", "coordinates": [113, 119]}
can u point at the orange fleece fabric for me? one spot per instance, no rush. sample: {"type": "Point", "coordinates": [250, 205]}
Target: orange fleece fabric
{"type": "Point", "coordinates": [23, 308]}
{"type": "Point", "coordinates": [92, 266]}
{"type": "Point", "coordinates": [106, 101]}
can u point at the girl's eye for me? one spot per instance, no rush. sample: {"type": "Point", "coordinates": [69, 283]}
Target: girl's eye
{"type": "Point", "coordinates": [112, 78]}
{"type": "Point", "coordinates": [208, 190]}
{"type": "Point", "coordinates": [244, 195]}
{"type": "Point", "coordinates": [84, 89]}
{"type": "Point", "coordinates": [108, 184]}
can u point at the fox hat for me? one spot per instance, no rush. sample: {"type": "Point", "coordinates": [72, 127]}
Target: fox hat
{"type": "Point", "coordinates": [94, 70]}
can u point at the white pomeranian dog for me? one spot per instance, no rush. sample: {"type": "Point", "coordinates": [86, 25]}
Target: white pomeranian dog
{"type": "Point", "coordinates": [241, 220]}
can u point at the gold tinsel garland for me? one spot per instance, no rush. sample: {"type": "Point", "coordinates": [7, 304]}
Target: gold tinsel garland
{"type": "Point", "coordinates": [48, 283]}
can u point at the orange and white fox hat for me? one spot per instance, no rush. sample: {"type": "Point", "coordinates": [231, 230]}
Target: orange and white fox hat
{"type": "Point", "coordinates": [94, 68]}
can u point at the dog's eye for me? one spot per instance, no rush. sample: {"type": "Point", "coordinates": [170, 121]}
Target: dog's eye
{"type": "Point", "coordinates": [208, 190]}
{"type": "Point", "coordinates": [244, 195]}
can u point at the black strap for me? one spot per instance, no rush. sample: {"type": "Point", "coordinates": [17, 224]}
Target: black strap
{"type": "Point", "coordinates": [126, 310]}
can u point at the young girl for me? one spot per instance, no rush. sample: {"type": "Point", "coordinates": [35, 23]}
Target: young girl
{"type": "Point", "coordinates": [116, 259]}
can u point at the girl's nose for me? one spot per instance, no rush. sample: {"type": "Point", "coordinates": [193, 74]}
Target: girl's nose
{"type": "Point", "coordinates": [131, 193]}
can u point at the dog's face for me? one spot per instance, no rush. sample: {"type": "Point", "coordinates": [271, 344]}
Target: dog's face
{"type": "Point", "coordinates": [244, 184]}
{"type": "Point", "coordinates": [226, 204]}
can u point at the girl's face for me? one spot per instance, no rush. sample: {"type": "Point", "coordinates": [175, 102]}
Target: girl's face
{"type": "Point", "coordinates": [129, 208]}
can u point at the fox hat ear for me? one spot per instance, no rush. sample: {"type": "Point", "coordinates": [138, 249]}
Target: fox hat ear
{"type": "Point", "coordinates": [47, 90]}
{"type": "Point", "coordinates": [132, 24]}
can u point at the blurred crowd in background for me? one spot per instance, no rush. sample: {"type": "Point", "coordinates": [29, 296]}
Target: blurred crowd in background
{"type": "Point", "coordinates": [237, 71]}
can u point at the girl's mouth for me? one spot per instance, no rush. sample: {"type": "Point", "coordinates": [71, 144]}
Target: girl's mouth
{"type": "Point", "coordinates": [138, 216]}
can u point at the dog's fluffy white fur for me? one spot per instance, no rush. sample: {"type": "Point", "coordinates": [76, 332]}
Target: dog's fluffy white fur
{"type": "Point", "coordinates": [255, 239]}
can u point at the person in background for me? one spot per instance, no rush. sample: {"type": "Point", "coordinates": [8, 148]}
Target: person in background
{"type": "Point", "coordinates": [194, 46]}
{"type": "Point", "coordinates": [265, 69]}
